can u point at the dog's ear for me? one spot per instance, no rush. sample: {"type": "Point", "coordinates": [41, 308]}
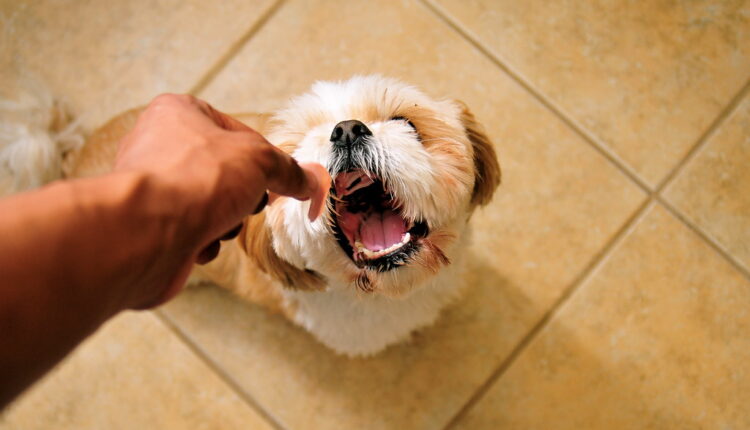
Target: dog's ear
{"type": "Point", "coordinates": [486, 167]}
{"type": "Point", "coordinates": [257, 242]}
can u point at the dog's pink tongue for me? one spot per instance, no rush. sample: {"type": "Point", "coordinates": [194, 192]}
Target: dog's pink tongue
{"type": "Point", "coordinates": [348, 182]}
{"type": "Point", "coordinates": [381, 230]}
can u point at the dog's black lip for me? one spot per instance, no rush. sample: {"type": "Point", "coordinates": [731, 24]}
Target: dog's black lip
{"type": "Point", "coordinates": [388, 262]}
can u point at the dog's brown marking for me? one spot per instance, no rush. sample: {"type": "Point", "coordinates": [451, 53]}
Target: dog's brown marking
{"type": "Point", "coordinates": [367, 113]}
{"type": "Point", "coordinates": [287, 147]}
{"type": "Point", "coordinates": [363, 282]}
{"type": "Point", "coordinates": [233, 270]}
{"type": "Point", "coordinates": [256, 240]}
{"type": "Point", "coordinates": [430, 129]}
{"type": "Point", "coordinates": [432, 257]}
{"type": "Point", "coordinates": [451, 147]}
{"type": "Point", "coordinates": [486, 166]}
{"type": "Point", "coordinates": [451, 155]}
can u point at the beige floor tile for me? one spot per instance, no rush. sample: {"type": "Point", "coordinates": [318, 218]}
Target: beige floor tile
{"type": "Point", "coordinates": [103, 57]}
{"type": "Point", "coordinates": [559, 201]}
{"type": "Point", "coordinates": [132, 374]}
{"type": "Point", "coordinates": [559, 205]}
{"type": "Point", "coordinates": [416, 385]}
{"type": "Point", "coordinates": [714, 188]}
{"type": "Point", "coordinates": [647, 78]}
{"type": "Point", "coordinates": [657, 339]}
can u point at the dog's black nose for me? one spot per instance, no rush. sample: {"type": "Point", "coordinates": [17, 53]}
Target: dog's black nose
{"type": "Point", "coordinates": [347, 133]}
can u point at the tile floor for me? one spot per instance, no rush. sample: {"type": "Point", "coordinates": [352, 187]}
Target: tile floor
{"type": "Point", "coordinates": [610, 278]}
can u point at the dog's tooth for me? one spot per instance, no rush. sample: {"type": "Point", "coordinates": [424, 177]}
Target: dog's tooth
{"type": "Point", "coordinates": [370, 254]}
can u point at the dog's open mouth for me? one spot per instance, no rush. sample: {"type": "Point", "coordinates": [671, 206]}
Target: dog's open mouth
{"type": "Point", "coordinates": [368, 224]}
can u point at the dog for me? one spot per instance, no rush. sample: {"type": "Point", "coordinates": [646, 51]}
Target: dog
{"type": "Point", "coordinates": [408, 171]}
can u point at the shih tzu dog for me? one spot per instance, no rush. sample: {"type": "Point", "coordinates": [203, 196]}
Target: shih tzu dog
{"type": "Point", "coordinates": [408, 172]}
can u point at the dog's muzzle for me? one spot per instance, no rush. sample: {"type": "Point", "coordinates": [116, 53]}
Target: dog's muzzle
{"type": "Point", "coordinates": [348, 134]}
{"type": "Point", "coordinates": [351, 146]}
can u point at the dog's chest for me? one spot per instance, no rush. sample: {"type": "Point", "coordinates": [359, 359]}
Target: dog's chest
{"type": "Point", "coordinates": [355, 323]}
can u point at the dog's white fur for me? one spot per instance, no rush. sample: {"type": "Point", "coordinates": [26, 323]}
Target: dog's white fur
{"type": "Point", "coordinates": [438, 173]}
{"type": "Point", "coordinates": [349, 322]}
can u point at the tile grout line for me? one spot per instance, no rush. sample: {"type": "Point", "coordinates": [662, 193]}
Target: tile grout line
{"type": "Point", "coordinates": [701, 143]}
{"type": "Point", "coordinates": [234, 48]}
{"type": "Point", "coordinates": [558, 112]}
{"type": "Point", "coordinates": [597, 261]}
{"type": "Point", "coordinates": [196, 89]}
{"type": "Point", "coordinates": [710, 241]}
{"type": "Point", "coordinates": [720, 119]}
{"type": "Point", "coordinates": [246, 397]}
{"type": "Point", "coordinates": [706, 136]}
{"type": "Point", "coordinates": [653, 198]}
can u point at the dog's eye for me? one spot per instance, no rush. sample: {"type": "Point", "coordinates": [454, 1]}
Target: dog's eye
{"type": "Point", "coordinates": [401, 118]}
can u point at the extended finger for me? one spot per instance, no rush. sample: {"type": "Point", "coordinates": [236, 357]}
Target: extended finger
{"type": "Point", "coordinates": [319, 175]}
{"type": "Point", "coordinates": [285, 177]}
{"type": "Point", "coordinates": [282, 173]}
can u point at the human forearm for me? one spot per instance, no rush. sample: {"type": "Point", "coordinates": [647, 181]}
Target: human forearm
{"type": "Point", "coordinates": [73, 254]}
{"type": "Point", "coordinates": [69, 256]}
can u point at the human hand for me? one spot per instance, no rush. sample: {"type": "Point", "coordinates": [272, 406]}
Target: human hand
{"type": "Point", "coordinates": [210, 171]}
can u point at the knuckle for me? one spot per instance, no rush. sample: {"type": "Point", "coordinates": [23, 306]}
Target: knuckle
{"type": "Point", "coordinates": [170, 99]}
{"type": "Point", "coordinates": [264, 157]}
{"type": "Point", "coordinates": [164, 98]}
{"type": "Point", "coordinates": [253, 138]}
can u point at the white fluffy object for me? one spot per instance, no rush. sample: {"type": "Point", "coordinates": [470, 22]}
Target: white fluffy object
{"type": "Point", "coordinates": [35, 133]}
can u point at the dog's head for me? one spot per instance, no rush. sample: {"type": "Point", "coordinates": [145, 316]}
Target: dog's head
{"type": "Point", "coordinates": [407, 173]}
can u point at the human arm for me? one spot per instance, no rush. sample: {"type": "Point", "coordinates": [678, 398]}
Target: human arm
{"type": "Point", "coordinates": [75, 253]}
